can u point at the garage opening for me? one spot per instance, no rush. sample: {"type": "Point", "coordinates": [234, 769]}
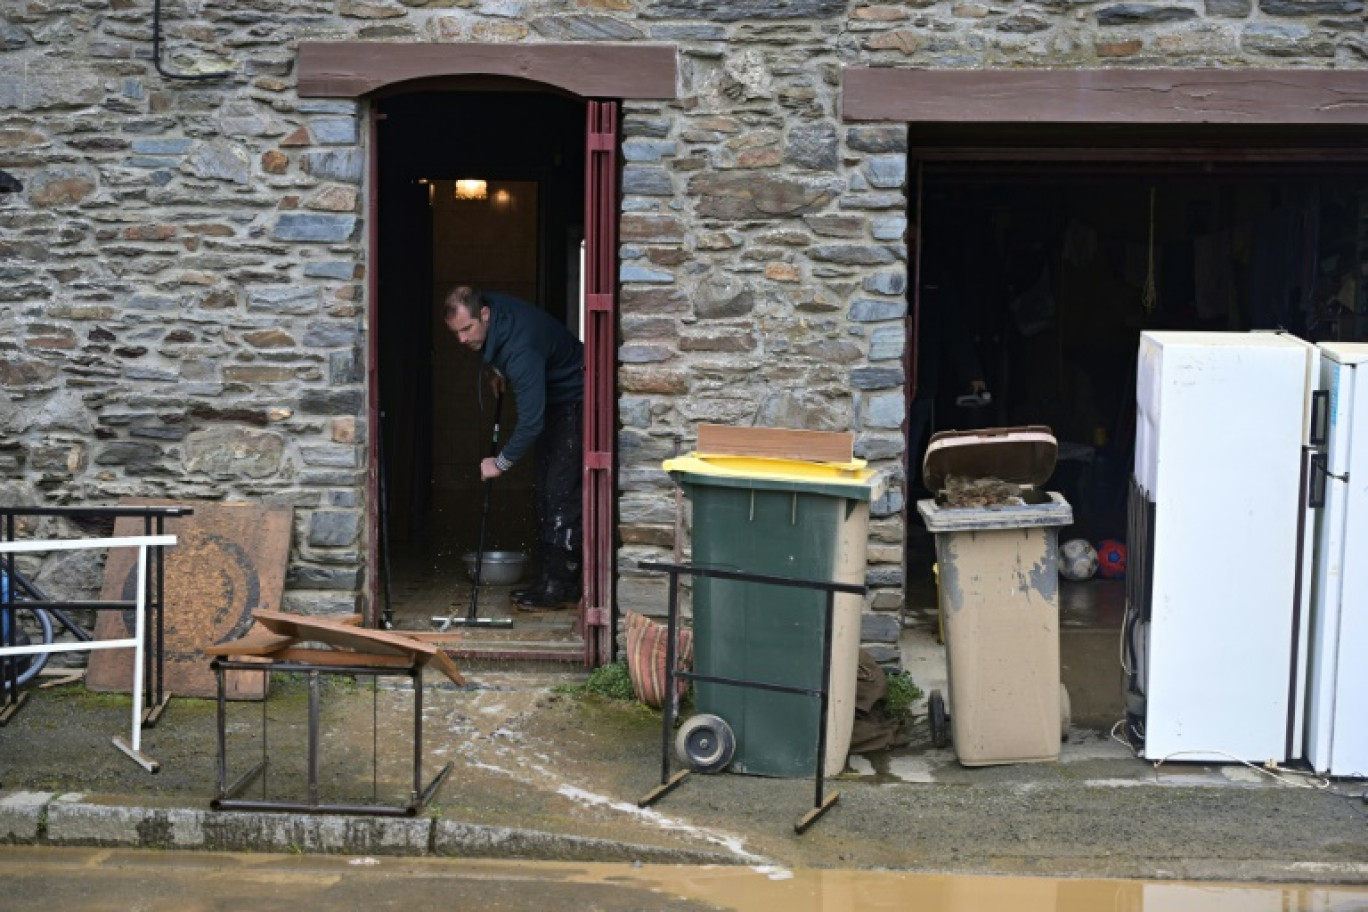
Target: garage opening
{"type": "Point", "coordinates": [1038, 277]}
{"type": "Point", "coordinates": [485, 189]}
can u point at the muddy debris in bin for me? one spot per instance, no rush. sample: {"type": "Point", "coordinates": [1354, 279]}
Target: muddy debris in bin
{"type": "Point", "coordinates": [963, 491]}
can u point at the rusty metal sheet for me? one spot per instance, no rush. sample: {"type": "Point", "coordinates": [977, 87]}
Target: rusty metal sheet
{"type": "Point", "coordinates": [229, 561]}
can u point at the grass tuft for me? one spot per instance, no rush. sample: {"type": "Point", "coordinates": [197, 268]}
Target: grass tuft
{"type": "Point", "coordinates": [612, 682]}
{"type": "Point", "coordinates": [902, 694]}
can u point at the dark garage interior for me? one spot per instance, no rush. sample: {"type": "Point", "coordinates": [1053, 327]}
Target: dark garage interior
{"type": "Point", "coordinates": [1056, 269]}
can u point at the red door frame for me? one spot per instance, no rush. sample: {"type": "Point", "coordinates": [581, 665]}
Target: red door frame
{"type": "Point", "coordinates": [600, 371]}
{"type": "Point", "coordinates": [372, 608]}
{"type": "Point", "coordinates": [600, 374]}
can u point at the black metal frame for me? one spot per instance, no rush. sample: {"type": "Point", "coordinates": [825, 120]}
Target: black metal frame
{"type": "Point", "coordinates": [821, 803]}
{"type": "Point", "coordinates": [154, 523]}
{"type": "Point", "coordinates": [227, 800]}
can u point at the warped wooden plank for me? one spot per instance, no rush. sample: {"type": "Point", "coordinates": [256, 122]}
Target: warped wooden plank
{"type": "Point", "coordinates": [447, 667]}
{"type": "Point", "coordinates": [344, 636]}
{"type": "Point", "coordinates": [361, 639]}
{"type": "Point", "coordinates": [342, 657]}
{"type": "Point", "coordinates": [447, 638]}
{"type": "Point", "coordinates": [257, 642]}
{"type": "Point", "coordinates": [775, 443]}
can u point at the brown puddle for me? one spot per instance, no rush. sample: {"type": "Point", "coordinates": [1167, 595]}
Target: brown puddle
{"type": "Point", "coordinates": [96, 880]}
{"type": "Point", "coordinates": [762, 890]}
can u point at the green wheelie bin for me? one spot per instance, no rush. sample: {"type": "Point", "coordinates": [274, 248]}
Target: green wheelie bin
{"type": "Point", "coordinates": [789, 518]}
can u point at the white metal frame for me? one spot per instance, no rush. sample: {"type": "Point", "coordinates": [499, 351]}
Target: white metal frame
{"type": "Point", "coordinates": [132, 747]}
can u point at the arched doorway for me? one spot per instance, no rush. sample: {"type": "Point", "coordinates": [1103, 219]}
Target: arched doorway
{"type": "Point", "coordinates": [527, 113]}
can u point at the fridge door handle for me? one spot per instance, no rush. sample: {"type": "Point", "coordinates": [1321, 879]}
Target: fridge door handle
{"type": "Point", "coordinates": [1320, 417]}
{"type": "Point", "coordinates": [1315, 495]}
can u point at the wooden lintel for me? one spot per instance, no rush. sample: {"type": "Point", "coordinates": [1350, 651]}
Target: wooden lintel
{"type": "Point", "coordinates": [1131, 95]}
{"type": "Point", "coordinates": [348, 69]}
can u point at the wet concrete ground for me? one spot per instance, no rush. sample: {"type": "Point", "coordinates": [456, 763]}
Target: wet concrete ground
{"type": "Point", "coordinates": [526, 756]}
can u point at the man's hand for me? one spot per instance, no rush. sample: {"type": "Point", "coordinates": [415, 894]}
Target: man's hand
{"type": "Point", "coordinates": [496, 382]}
{"type": "Point", "coordinates": [489, 469]}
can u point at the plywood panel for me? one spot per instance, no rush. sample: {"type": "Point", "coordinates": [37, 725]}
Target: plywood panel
{"type": "Point", "coordinates": [229, 561]}
{"type": "Point", "coordinates": [775, 443]}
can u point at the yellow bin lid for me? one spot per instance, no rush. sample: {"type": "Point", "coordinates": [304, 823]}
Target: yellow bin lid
{"type": "Point", "coordinates": [850, 479]}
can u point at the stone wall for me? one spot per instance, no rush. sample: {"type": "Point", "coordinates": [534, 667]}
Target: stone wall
{"type": "Point", "coordinates": [182, 305]}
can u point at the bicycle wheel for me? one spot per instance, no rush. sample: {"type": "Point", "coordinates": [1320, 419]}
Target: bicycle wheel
{"type": "Point", "coordinates": [26, 619]}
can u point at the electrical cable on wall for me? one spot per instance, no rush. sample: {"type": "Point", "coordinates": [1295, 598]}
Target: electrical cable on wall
{"type": "Point", "coordinates": [156, 54]}
{"type": "Point", "coordinates": [1149, 298]}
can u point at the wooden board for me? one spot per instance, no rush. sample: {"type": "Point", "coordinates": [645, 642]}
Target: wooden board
{"type": "Point", "coordinates": [362, 640]}
{"type": "Point", "coordinates": [277, 637]}
{"type": "Point", "coordinates": [229, 561]}
{"type": "Point", "coordinates": [341, 636]}
{"type": "Point", "coordinates": [257, 642]}
{"type": "Point", "coordinates": [775, 443]}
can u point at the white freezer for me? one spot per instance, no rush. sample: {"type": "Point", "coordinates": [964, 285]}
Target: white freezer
{"type": "Point", "coordinates": [1221, 456]}
{"type": "Point", "coordinates": [1337, 709]}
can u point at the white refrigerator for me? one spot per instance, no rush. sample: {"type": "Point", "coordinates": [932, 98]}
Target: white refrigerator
{"type": "Point", "coordinates": [1337, 708]}
{"type": "Point", "coordinates": [1220, 541]}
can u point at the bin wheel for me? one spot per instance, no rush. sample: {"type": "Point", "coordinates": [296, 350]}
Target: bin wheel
{"type": "Point", "coordinates": [940, 721]}
{"type": "Point", "coordinates": [705, 744]}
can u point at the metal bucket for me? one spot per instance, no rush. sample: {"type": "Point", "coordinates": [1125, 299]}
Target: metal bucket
{"type": "Point", "coordinates": [501, 568]}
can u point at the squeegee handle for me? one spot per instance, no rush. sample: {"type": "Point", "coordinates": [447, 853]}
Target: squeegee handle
{"type": "Point", "coordinates": [474, 611]}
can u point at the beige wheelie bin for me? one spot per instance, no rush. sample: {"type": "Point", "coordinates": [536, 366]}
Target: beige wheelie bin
{"type": "Point", "coordinates": [999, 591]}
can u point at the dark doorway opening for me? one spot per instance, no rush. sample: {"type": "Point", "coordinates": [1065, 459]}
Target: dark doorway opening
{"type": "Point", "coordinates": [1054, 269]}
{"type": "Point", "coordinates": [520, 230]}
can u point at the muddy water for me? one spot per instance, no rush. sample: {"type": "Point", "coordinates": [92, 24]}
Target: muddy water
{"type": "Point", "coordinates": [753, 890]}
{"type": "Point", "coordinates": [84, 880]}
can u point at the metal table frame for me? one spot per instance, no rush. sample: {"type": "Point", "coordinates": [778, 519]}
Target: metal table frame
{"type": "Point", "coordinates": [227, 799]}
{"type": "Point", "coordinates": [152, 579]}
{"type": "Point", "coordinates": [821, 802]}
{"type": "Point", "coordinates": [10, 653]}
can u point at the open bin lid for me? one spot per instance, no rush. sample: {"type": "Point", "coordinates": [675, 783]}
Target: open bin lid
{"type": "Point", "coordinates": [1020, 455]}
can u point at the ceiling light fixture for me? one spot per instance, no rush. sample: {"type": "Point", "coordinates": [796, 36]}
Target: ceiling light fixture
{"type": "Point", "coordinates": [471, 190]}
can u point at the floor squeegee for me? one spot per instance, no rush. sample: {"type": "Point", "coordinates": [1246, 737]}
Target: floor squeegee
{"type": "Point", "coordinates": [472, 617]}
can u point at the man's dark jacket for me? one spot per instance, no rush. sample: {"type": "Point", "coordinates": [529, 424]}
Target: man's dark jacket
{"type": "Point", "coordinates": [541, 360]}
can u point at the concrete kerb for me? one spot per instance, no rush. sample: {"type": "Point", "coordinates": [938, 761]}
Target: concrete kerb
{"type": "Point", "coordinates": [46, 818]}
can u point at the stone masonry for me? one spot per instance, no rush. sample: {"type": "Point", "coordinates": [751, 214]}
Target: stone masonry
{"type": "Point", "coordinates": [182, 312]}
